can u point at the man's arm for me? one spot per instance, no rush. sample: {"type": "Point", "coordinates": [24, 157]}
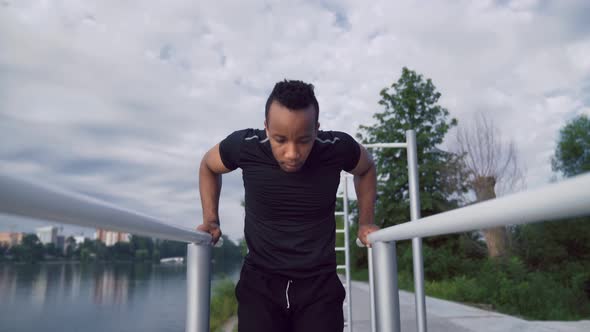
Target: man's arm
{"type": "Point", "coordinates": [365, 184]}
{"type": "Point", "coordinates": [210, 188]}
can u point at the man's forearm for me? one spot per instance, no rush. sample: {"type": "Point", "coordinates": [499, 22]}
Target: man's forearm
{"type": "Point", "coordinates": [210, 189]}
{"type": "Point", "coordinates": [366, 193]}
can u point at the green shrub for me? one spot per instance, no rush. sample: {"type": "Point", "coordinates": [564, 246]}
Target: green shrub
{"type": "Point", "coordinates": [223, 304]}
{"type": "Point", "coordinates": [141, 255]}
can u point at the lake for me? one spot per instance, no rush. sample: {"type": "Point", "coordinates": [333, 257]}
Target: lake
{"type": "Point", "coordinates": [96, 297]}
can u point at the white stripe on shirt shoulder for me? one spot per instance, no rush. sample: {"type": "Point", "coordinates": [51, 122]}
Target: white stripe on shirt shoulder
{"type": "Point", "coordinates": [327, 140]}
{"type": "Point", "coordinates": [256, 136]}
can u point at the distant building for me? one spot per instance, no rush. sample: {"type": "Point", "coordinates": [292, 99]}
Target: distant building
{"type": "Point", "coordinates": [11, 239]}
{"type": "Point", "coordinates": [109, 238]}
{"type": "Point", "coordinates": [47, 234]}
{"type": "Point", "coordinates": [60, 242]}
{"type": "Point", "coordinates": [79, 239]}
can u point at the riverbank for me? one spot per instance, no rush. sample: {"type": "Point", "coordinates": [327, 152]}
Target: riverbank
{"type": "Point", "coordinates": [224, 305]}
{"type": "Point", "coordinates": [507, 290]}
{"type": "Point", "coordinates": [443, 315]}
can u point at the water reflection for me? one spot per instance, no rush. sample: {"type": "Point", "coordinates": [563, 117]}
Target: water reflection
{"type": "Point", "coordinates": [7, 285]}
{"type": "Point", "coordinates": [94, 297]}
{"type": "Point", "coordinates": [111, 286]}
{"type": "Point", "coordinates": [107, 284]}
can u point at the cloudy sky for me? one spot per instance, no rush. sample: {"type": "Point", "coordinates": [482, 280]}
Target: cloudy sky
{"type": "Point", "coordinates": [120, 99]}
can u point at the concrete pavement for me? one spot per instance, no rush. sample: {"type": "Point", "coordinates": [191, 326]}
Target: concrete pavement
{"type": "Point", "coordinates": [443, 316]}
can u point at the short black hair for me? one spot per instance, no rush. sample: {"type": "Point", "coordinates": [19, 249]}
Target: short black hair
{"type": "Point", "coordinates": [294, 95]}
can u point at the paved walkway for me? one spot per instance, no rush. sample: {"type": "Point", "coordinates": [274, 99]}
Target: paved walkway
{"type": "Point", "coordinates": [449, 316]}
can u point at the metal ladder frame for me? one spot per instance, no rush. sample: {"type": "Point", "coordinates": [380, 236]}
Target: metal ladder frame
{"type": "Point", "coordinates": [345, 230]}
{"type": "Point", "coordinates": [418, 262]}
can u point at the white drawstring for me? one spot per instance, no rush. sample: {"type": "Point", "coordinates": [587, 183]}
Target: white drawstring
{"type": "Point", "coordinates": [287, 293]}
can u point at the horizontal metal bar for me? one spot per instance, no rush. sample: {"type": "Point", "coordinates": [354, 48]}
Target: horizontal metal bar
{"type": "Point", "coordinates": [340, 231]}
{"type": "Point", "coordinates": [386, 145]}
{"type": "Point", "coordinates": [339, 213]}
{"type": "Point", "coordinates": [340, 248]}
{"type": "Point", "coordinates": [341, 266]}
{"type": "Point", "coordinates": [566, 199]}
{"type": "Point", "coordinates": [40, 201]}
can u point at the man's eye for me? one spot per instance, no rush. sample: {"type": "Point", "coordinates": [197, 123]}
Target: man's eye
{"type": "Point", "coordinates": [280, 140]}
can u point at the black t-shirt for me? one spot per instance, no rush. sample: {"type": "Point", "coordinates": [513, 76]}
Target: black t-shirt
{"type": "Point", "coordinates": [290, 224]}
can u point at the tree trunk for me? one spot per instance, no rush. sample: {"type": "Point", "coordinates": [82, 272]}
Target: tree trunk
{"type": "Point", "coordinates": [496, 237]}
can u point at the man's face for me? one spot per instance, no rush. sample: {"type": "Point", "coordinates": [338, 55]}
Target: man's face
{"type": "Point", "coordinates": [291, 135]}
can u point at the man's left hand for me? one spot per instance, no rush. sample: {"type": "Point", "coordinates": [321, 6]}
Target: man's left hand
{"type": "Point", "coordinates": [364, 231]}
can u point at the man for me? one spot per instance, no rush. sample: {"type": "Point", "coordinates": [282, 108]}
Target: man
{"type": "Point", "coordinates": [291, 171]}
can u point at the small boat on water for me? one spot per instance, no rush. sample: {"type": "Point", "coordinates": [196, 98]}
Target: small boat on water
{"type": "Point", "coordinates": [172, 260]}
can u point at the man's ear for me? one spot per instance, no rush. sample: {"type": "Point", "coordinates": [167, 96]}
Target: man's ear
{"type": "Point", "coordinates": [266, 129]}
{"type": "Point", "coordinates": [317, 127]}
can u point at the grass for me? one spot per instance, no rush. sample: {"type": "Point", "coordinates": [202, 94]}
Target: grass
{"type": "Point", "coordinates": [530, 295]}
{"type": "Point", "coordinates": [223, 304]}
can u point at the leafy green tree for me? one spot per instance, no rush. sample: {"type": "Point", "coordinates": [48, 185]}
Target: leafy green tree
{"type": "Point", "coordinates": [172, 249]}
{"type": "Point", "coordinates": [85, 255]}
{"type": "Point", "coordinates": [30, 250]}
{"type": "Point", "coordinates": [412, 103]}
{"type": "Point", "coordinates": [101, 251]}
{"type": "Point", "coordinates": [3, 252]}
{"type": "Point", "coordinates": [243, 247]}
{"type": "Point", "coordinates": [122, 251]}
{"type": "Point", "coordinates": [51, 250]}
{"type": "Point", "coordinates": [70, 247]}
{"type": "Point", "coordinates": [156, 256]}
{"type": "Point", "coordinates": [142, 243]}
{"type": "Point", "coordinates": [227, 257]}
{"type": "Point", "coordinates": [141, 255]}
{"type": "Point", "coordinates": [572, 154]}
{"type": "Point", "coordinates": [563, 248]}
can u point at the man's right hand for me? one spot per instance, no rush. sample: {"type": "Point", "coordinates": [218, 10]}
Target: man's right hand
{"type": "Point", "coordinates": [211, 228]}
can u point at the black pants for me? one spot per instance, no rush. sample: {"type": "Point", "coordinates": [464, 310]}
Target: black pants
{"type": "Point", "coordinates": [272, 303]}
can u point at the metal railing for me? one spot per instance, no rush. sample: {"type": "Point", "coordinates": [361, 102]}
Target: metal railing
{"type": "Point", "coordinates": [29, 199]}
{"type": "Point", "coordinates": [567, 199]}
{"type": "Point", "coordinates": [418, 262]}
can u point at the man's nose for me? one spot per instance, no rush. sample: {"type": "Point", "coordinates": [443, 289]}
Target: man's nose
{"type": "Point", "coordinates": [292, 153]}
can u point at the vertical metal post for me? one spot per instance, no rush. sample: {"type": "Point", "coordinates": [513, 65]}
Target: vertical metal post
{"type": "Point", "coordinates": [372, 290]}
{"type": "Point", "coordinates": [198, 284]}
{"type": "Point", "coordinates": [386, 287]}
{"type": "Point", "coordinates": [347, 255]}
{"type": "Point", "coordinates": [413, 177]}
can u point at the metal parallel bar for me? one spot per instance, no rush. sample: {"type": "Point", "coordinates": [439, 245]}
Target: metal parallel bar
{"type": "Point", "coordinates": [40, 201]}
{"type": "Point", "coordinates": [414, 191]}
{"type": "Point", "coordinates": [566, 199]}
{"type": "Point", "coordinates": [347, 256]}
{"type": "Point", "coordinates": [386, 145]}
{"type": "Point", "coordinates": [198, 279]}
{"type": "Point", "coordinates": [371, 290]}
{"type": "Point", "coordinates": [386, 287]}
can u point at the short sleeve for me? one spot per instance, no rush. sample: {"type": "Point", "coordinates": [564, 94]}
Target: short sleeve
{"type": "Point", "coordinates": [229, 149]}
{"type": "Point", "coordinates": [349, 150]}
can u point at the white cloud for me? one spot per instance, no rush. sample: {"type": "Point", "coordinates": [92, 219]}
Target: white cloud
{"type": "Point", "coordinates": [123, 99]}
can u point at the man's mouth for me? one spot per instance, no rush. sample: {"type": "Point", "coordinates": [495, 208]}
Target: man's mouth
{"type": "Point", "coordinates": [291, 166]}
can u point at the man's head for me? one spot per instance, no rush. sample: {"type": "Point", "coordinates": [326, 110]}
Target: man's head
{"type": "Point", "coordinates": [291, 123]}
